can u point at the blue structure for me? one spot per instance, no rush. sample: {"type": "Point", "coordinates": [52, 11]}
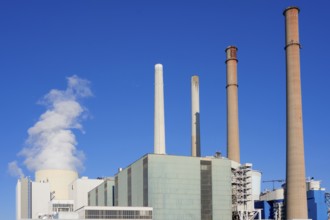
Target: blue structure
{"type": "Point", "coordinates": [317, 207]}
{"type": "Point", "coordinates": [268, 208]}
{"type": "Point", "coordinates": [316, 202]}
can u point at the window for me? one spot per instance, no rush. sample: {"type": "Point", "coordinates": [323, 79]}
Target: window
{"type": "Point", "coordinates": [118, 214]}
{"type": "Point", "coordinates": [145, 182]}
{"type": "Point", "coordinates": [129, 186]}
{"type": "Point", "coordinates": [116, 191]}
{"type": "Point", "coordinates": [206, 190]}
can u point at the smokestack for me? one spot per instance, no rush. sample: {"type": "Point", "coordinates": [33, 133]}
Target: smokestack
{"type": "Point", "coordinates": [159, 129]}
{"type": "Point", "coordinates": [296, 202]}
{"type": "Point", "coordinates": [232, 105]}
{"type": "Point", "coordinates": [195, 123]}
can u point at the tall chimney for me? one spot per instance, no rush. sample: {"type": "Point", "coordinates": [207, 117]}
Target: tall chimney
{"type": "Point", "coordinates": [232, 105]}
{"type": "Point", "coordinates": [159, 126]}
{"type": "Point", "coordinates": [296, 201]}
{"type": "Point", "coordinates": [195, 122]}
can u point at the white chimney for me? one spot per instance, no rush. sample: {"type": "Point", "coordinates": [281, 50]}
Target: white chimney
{"type": "Point", "coordinates": [195, 122]}
{"type": "Point", "coordinates": [159, 126]}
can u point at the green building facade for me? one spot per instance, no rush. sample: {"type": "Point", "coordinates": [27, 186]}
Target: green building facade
{"type": "Point", "coordinates": [177, 187]}
{"type": "Point", "coordinates": [103, 194]}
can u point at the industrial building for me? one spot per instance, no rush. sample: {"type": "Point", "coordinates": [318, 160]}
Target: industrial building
{"type": "Point", "coordinates": [37, 200]}
{"type": "Point", "coordinates": [183, 187]}
{"type": "Point", "coordinates": [172, 187]}
{"type": "Point", "coordinates": [177, 187]}
{"type": "Point", "coordinates": [53, 191]}
{"type": "Point", "coordinates": [272, 206]}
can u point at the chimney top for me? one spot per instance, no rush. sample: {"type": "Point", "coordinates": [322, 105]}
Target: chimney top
{"type": "Point", "coordinates": [158, 66]}
{"type": "Point", "coordinates": [231, 52]}
{"type": "Point", "coordinates": [231, 46]}
{"type": "Point", "coordinates": [289, 8]}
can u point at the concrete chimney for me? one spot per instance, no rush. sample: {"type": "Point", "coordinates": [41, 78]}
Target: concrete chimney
{"type": "Point", "coordinates": [159, 126]}
{"type": "Point", "coordinates": [295, 199]}
{"type": "Point", "coordinates": [232, 105]}
{"type": "Point", "coordinates": [195, 123]}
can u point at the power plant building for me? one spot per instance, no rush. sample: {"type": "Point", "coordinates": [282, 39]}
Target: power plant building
{"type": "Point", "coordinates": [177, 187]}
{"type": "Point", "coordinates": [171, 187]}
{"type": "Point", "coordinates": [35, 200]}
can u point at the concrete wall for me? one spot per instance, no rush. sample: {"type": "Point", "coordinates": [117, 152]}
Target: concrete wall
{"type": "Point", "coordinates": [23, 198]}
{"type": "Point", "coordinates": [78, 191]}
{"type": "Point", "coordinates": [40, 198]}
{"type": "Point", "coordinates": [59, 181]}
{"type": "Point", "coordinates": [277, 194]}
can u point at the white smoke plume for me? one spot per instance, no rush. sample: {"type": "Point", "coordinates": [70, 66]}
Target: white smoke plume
{"type": "Point", "coordinates": [51, 143]}
{"type": "Point", "coordinates": [14, 170]}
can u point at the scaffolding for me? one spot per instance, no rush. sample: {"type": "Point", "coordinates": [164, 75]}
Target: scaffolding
{"type": "Point", "coordinates": [242, 200]}
{"type": "Point", "coordinates": [278, 210]}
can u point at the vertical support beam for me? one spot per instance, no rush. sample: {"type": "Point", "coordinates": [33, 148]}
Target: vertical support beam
{"type": "Point", "coordinates": [159, 121]}
{"type": "Point", "coordinates": [195, 118]}
{"type": "Point", "coordinates": [233, 149]}
{"type": "Point", "coordinates": [296, 201]}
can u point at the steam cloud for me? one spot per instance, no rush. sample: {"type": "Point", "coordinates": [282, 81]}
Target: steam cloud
{"type": "Point", "coordinates": [51, 143]}
{"type": "Point", "coordinates": [14, 170]}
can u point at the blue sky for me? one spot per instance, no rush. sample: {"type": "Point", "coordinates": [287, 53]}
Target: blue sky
{"type": "Point", "coordinates": [115, 44]}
